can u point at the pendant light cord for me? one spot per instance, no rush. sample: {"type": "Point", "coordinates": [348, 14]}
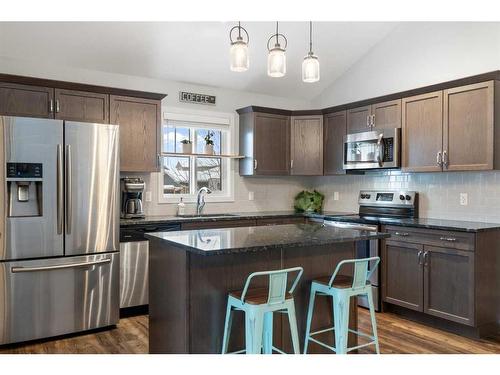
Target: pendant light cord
{"type": "Point", "coordinates": [310, 36]}
{"type": "Point", "coordinates": [239, 29]}
{"type": "Point", "coordinates": [277, 42]}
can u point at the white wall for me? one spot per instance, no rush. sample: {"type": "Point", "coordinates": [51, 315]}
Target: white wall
{"type": "Point", "coordinates": [417, 54]}
{"type": "Point", "coordinates": [269, 193]}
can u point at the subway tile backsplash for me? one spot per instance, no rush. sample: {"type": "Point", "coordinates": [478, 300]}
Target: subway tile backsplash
{"type": "Point", "coordinates": [439, 193]}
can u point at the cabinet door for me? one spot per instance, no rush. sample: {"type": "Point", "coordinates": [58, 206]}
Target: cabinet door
{"type": "Point", "coordinates": [402, 274]}
{"type": "Point", "coordinates": [82, 106]}
{"type": "Point", "coordinates": [334, 130]}
{"type": "Point", "coordinates": [468, 127]}
{"type": "Point", "coordinates": [306, 146]}
{"type": "Point", "coordinates": [272, 144]}
{"type": "Point", "coordinates": [449, 284]}
{"type": "Point", "coordinates": [387, 115]}
{"type": "Point", "coordinates": [139, 121]}
{"type": "Point", "coordinates": [422, 132]}
{"type": "Point", "coordinates": [26, 101]}
{"type": "Point", "coordinates": [358, 119]}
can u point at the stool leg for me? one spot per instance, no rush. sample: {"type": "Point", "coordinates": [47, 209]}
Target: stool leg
{"type": "Point", "coordinates": [254, 326]}
{"type": "Point", "coordinates": [373, 319]}
{"type": "Point", "coordinates": [292, 319]}
{"type": "Point", "coordinates": [310, 311]}
{"type": "Point", "coordinates": [227, 328]}
{"type": "Point", "coordinates": [341, 318]}
{"type": "Point", "coordinates": [267, 339]}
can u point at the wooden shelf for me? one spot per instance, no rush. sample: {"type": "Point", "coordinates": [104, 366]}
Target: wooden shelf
{"type": "Point", "coordinates": [179, 154]}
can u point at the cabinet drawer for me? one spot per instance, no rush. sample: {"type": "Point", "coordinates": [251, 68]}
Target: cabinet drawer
{"type": "Point", "coordinates": [433, 237]}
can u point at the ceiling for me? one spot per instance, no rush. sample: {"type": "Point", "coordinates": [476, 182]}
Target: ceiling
{"type": "Point", "coordinates": [193, 52]}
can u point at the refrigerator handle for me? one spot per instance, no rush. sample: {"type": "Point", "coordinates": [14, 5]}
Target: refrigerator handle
{"type": "Point", "coordinates": [60, 190]}
{"type": "Point", "coordinates": [69, 205]}
{"type": "Point", "coordinates": [59, 266]}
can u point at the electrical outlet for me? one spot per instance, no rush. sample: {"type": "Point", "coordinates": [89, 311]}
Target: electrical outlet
{"type": "Point", "coordinates": [464, 199]}
{"type": "Point", "coordinates": [336, 196]}
{"type": "Point", "coordinates": [250, 196]}
{"type": "Point", "coordinates": [148, 196]}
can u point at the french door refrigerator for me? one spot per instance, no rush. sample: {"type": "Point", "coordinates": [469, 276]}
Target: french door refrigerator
{"type": "Point", "coordinates": [59, 227]}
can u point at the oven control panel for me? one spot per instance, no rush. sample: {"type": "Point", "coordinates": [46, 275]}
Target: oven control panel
{"type": "Point", "coordinates": [387, 198]}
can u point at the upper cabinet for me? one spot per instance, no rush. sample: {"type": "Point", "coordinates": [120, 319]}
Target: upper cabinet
{"type": "Point", "coordinates": [450, 130]}
{"type": "Point", "coordinates": [306, 151]}
{"type": "Point", "coordinates": [384, 115]}
{"type": "Point", "coordinates": [26, 100]}
{"type": "Point", "coordinates": [265, 143]}
{"type": "Point", "coordinates": [81, 106]}
{"type": "Point", "coordinates": [140, 122]}
{"type": "Point", "coordinates": [334, 130]}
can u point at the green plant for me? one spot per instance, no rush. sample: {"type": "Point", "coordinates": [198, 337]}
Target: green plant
{"type": "Point", "coordinates": [186, 142]}
{"type": "Point", "coordinates": [307, 201]}
{"type": "Point", "coordinates": [208, 138]}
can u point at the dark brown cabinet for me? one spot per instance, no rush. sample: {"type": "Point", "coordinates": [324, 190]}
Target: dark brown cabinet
{"type": "Point", "coordinates": [265, 143]}
{"type": "Point", "coordinates": [402, 274]}
{"type": "Point", "coordinates": [306, 145]}
{"type": "Point", "coordinates": [384, 115]}
{"type": "Point", "coordinates": [83, 106]}
{"type": "Point", "coordinates": [139, 121]}
{"type": "Point", "coordinates": [26, 100]}
{"type": "Point", "coordinates": [334, 130]}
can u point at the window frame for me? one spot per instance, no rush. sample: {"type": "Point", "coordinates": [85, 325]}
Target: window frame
{"type": "Point", "coordinates": [202, 120]}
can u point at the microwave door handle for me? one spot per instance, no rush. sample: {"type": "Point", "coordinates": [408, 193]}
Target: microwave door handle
{"type": "Point", "coordinates": [380, 146]}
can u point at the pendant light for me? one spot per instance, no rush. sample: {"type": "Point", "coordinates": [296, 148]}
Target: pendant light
{"type": "Point", "coordinates": [310, 65]}
{"type": "Point", "coordinates": [276, 60]}
{"type": "Point", "coordinates": [238, 52]}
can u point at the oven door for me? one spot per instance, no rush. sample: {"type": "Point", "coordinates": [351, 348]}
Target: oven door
{"type": "Point", "coordinates": [372, 150]}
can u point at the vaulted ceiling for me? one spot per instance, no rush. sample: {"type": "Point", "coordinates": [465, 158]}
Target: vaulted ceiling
{"type": "Point", "coordinates": [193, 52]}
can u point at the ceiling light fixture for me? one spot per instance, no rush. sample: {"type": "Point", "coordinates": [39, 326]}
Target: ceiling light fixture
{"type": "Point", "coordinates": [239, 50]}
{"type": "Point", "coordinates": [276, 60]}
{"type": "Point", "coordinates": [310, 65]}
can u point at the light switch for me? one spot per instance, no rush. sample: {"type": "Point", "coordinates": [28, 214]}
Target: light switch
{"type": "Point", "coordinates": [148, 196]}
{"type": "Point", "coordinates": [336, 195]}
{"type": "Point", "coordinates": [250, 196]}
{"type": "Point", "coordinates": [464, 199]}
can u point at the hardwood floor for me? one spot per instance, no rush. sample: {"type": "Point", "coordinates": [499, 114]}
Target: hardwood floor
{"type": "Point", "coordinates": [396, 335]}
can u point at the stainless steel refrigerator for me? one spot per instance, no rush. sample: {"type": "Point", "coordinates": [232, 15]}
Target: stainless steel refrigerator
{"type": "Point", "coordinates": [59, 227]}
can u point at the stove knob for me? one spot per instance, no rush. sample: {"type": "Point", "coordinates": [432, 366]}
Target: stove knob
{"type": "Point", "coordinates": [408, 198]}
{"type": "Point", "coordinates": [402, 197]}
{"type": "Point", "coordinates": [367, 196]}
{"type": "Point", "coordinates": [363, 196]}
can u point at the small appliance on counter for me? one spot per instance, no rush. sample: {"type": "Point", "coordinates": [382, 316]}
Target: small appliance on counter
{"type": "Point", "coordinates": [132, 190]}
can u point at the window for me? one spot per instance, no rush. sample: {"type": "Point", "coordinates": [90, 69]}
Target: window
{"type": "Point", "coordinates": [183, 175]}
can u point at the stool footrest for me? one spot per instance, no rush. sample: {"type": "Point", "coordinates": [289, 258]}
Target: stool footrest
{"type": "Point", "coordinates": [350, 330]}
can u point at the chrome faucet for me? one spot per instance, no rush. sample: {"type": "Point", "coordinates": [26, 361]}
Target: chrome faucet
{"type": "Point", "coordinates": [200, 199]}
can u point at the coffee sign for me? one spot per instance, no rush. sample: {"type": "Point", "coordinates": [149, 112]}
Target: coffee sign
{"type": "Point", "coordinates": [192, 97]}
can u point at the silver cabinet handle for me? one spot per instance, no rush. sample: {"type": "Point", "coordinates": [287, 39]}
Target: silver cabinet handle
{"type": "Point", "coordinates": [449, 239]}
{"type": "Point", "coordinates": [373, 120]}
{"type": "Point", "coordinates": [51, 106]}
{"type": "Point", "coordinates": [367, 121]}
{"type": "Point", "coordinates": [291, 164]}
{"type": "Point", "coordinates": [59, 266]}
{"type": "Point", "coordinates": [402, 234]}
{"type": "Point", "coordinates": [426, 257]}
{"type": "Point", "coordinates": [255, 164]}
{"type": "Point", "coordinates": [439, 160]}
{"type": "Point", "coordinates": [158, 161]}
{"type": "Point", "coordinates": [57, 106]}
{"type": "Point", "coordinates": [60, 190]}
{"type": "Point", "coordinates": [445, 159]}
{"type": "Point", "coordinates": [69, 193]}
{"type": "Point", "coordinates": [419, 257]}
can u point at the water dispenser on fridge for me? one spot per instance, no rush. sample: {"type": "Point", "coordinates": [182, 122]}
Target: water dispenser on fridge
{"type": "Point", "coordinates": [24, 189]}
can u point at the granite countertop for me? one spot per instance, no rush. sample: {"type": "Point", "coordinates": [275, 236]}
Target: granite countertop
{"type": "Point", "coordinates": [442, 224]}
{"type": "Point", "coordinates": [247, 239]}
{"type": "Point", "coordinates": [230, 216]}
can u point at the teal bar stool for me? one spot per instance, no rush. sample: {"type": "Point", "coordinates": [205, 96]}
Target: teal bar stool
{"type": "Point", "coordinates": [259, 304]}
{"type": "Point", "coordinates": [341, 289]}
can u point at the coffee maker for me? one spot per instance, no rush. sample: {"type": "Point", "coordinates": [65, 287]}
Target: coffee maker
{"type": "Point", "coordinates": [132, 189]}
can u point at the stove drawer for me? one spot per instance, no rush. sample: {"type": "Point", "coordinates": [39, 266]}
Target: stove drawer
{"type": "Point", "coordinates": [432, 237]}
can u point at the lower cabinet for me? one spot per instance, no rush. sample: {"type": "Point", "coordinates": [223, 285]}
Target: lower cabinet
{"type": "Point", "coordinates": [429, 271]}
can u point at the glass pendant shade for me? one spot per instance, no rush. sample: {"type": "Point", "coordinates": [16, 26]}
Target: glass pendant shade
{"type": "Point", "coordinates": [239, 56]}
{"type": "Point", "coordinates": [276, 62]}
{"type": "Point", "coordinates": [310, 68]}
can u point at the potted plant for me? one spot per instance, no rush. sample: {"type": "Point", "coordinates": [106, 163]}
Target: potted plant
{"type": "Point", "coordinates": [209, 143]}
{"type": "Point", "coordinates": [187, 146]}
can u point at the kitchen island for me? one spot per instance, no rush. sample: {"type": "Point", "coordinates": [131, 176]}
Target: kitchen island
{"type": "Point", "coordinates": [191, 273]}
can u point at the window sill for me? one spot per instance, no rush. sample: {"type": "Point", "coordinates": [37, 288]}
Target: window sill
{"type": "Point", "coordinates": [191, 199]}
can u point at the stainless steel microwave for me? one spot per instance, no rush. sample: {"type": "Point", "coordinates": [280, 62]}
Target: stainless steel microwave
{"type": "Point", "coordinates": [373, 150]}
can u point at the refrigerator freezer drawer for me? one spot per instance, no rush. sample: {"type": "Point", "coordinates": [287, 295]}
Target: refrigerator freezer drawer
{"type": "Point", "coordinates": [134, 273]}
{"type": "Point", "coordinates": [50, 297]}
